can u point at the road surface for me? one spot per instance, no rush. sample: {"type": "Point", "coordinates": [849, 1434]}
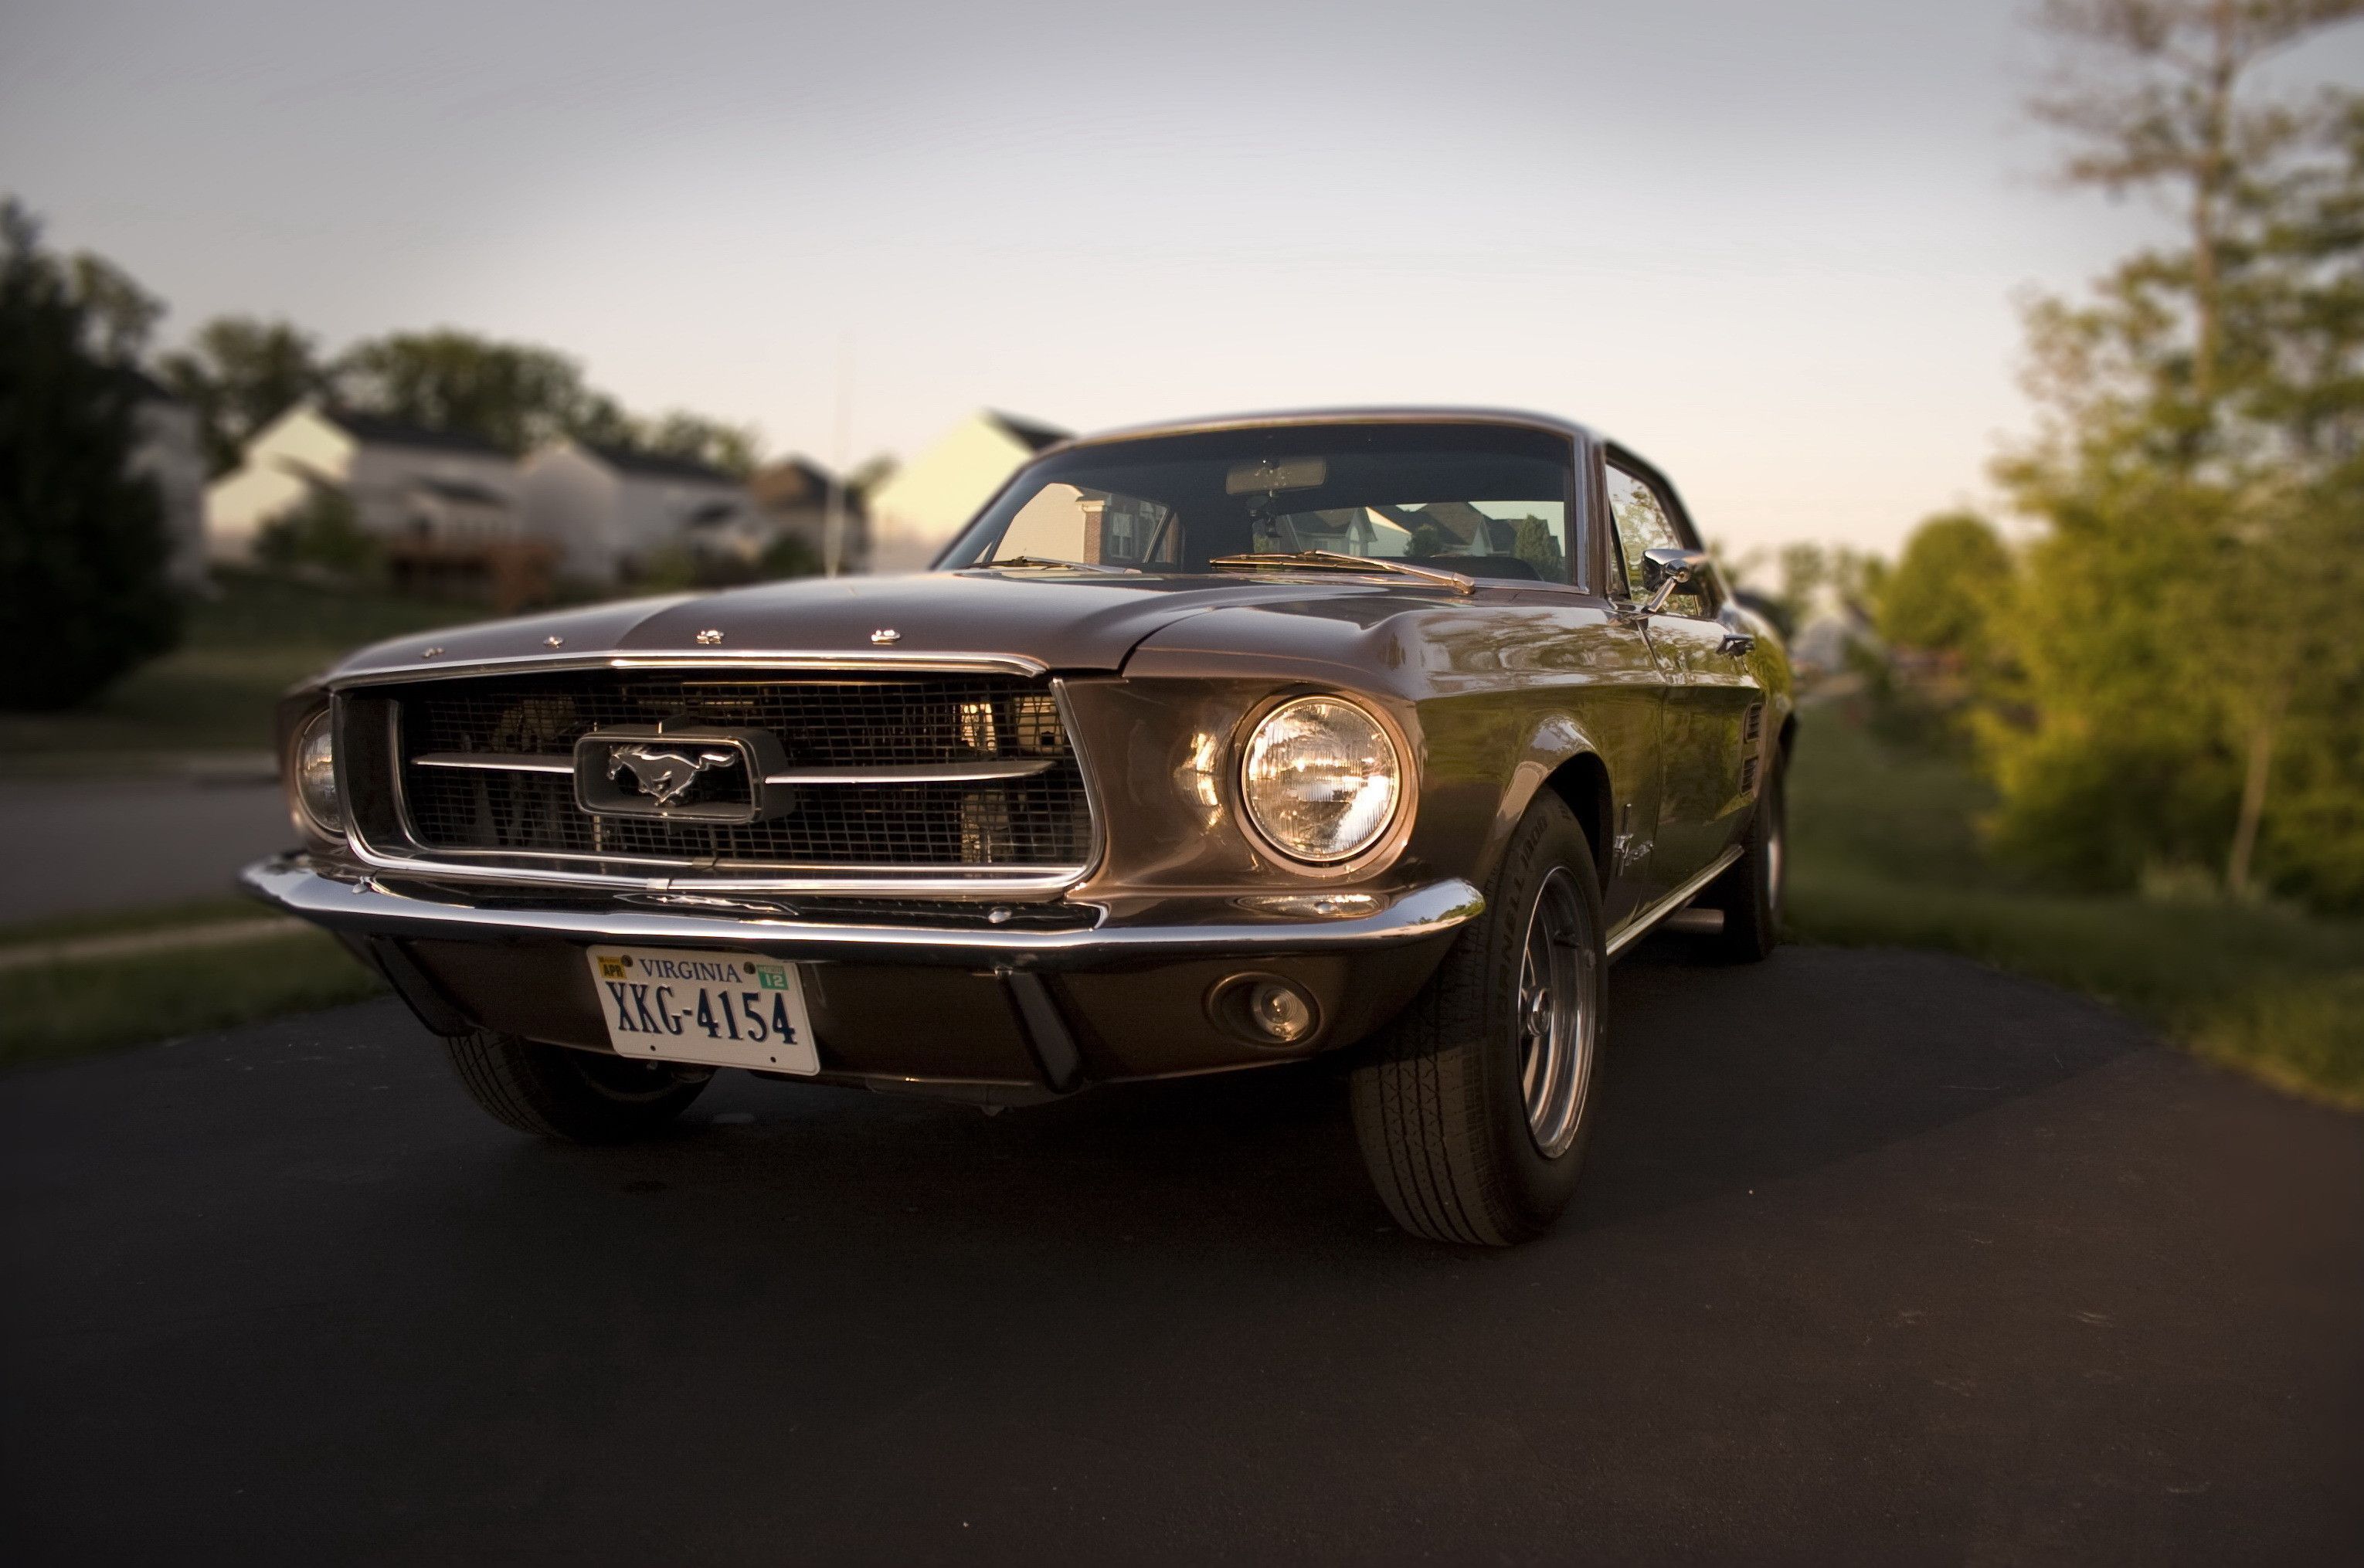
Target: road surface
{"type": "Point", "coordinates": [1880, 1257]}
{"type": "Point", "coordinates": [118, 843]}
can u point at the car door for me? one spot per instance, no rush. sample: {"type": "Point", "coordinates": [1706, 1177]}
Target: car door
{"type": "Point", "coordinates": [1714, 701]}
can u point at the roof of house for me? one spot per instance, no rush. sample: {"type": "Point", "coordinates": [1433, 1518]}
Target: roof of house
{"type": "Point", "coordinates": [793, 484]}
{"type": "Point", "coordinates": [1035, 434]}
{"type": "Point", "coordinates": [460, 490]}
{"type": "Point", "coordinates": [657, 465]}
{"type": "Point", "coordinates": [400, 433]}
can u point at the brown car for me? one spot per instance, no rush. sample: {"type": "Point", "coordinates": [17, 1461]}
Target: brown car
{"type": "Point", "coordinates": [1205, 746]}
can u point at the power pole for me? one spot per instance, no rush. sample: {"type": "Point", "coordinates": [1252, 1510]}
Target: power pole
{"type": "Point", "coordinates": [833, 549]}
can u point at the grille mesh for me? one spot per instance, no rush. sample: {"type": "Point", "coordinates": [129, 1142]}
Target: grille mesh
{"type": "Point", "coordinates": [877, 721]}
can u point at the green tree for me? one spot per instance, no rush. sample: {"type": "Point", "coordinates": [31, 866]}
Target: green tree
{"type": "Point", "coordinates": [516, 395]}
{"type": "Point", "coordinates": [734, 449]}
{"type": "Point", "coordinates": [241, 372]}
{"type": "Point", "coordinates": [84, 596]}
{"type": "Point", "coordinates": [2183, 623]}
{"type": "Point", "coordinates": [1536, 547]}
{"type": "Point", "coordinates": [325, 531]}
{"type": "Point", "coordinates": [1941, 592]}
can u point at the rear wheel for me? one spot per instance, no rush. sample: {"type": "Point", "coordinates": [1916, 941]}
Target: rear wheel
{"type": "Point", "coordinates": [1472, 1110]}
{"type": "Point", "coordinates": [1750, 892]}
{"type": "Point", "coordinates": [583, 1096]}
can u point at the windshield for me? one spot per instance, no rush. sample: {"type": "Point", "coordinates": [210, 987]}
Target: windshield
{"type": "Point", "coordinates": [1484, 500]}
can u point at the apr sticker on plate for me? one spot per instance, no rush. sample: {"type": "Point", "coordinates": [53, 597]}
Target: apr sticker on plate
{"type": "Point", "coordinates": [720, 1009]}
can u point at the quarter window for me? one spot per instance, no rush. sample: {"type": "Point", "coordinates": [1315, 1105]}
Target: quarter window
{"type": "Point", "coordinates": [1641, 523]}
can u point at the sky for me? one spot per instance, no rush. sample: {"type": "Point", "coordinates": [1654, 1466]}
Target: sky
{"type": "Point", "coordinates": [1774, 247]}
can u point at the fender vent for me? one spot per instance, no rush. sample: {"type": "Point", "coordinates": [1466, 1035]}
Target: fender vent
{"type": "Point", "coordinates": [1748, 776]}
{"type": "Point", "coordinates": [1753, 727]}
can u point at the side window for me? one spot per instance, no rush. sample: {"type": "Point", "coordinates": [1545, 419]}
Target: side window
{"type": "Point", "coordinates": [1640, 521]}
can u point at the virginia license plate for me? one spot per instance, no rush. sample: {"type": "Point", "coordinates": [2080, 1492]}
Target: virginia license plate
{"type": "Point", "coordinates": [720, 1009]}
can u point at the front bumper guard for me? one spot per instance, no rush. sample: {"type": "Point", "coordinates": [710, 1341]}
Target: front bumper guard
{"type": "Point", "coordinates": [352, 902]}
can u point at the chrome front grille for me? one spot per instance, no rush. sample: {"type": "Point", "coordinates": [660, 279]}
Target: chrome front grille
{"type": "Point", "coordinates": [483, 767]}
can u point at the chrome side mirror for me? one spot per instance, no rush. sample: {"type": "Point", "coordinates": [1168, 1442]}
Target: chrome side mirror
{"type": "Point", "coordinates": [1664, 571]}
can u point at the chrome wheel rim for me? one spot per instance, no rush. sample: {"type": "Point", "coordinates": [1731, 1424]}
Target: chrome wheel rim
{"type": "Point", "coordinates": [1555, 1016]}
{"type": "Point", "coordinates": [1777, 841]}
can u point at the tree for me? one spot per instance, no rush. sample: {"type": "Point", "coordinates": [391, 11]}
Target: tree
{"type": "Point", "coordinates": [2200, 416]}
{"type": "Point", "coordinates": [1940, 592]}
{"type": "Point", "coordinates": [1536, 547]}
{"type": "Point", "coordinates": [516, 395]}
{"type": "Point", "coordinates": [241, 372]}
{"type": "Point", "coordinates": [84, 595]}
{"type": "Point", "coordinates": [734, 449]}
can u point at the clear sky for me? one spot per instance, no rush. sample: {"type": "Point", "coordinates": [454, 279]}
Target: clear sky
{"type": "Point", "coordinates": [1772, 246]}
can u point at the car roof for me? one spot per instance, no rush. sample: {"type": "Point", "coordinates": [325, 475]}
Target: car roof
{"type": "Point", "coordinates": [1282, 418]}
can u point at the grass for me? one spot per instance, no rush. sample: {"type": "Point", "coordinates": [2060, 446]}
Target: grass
{"type": "Point", "coordinates": [214, 693]}
{"type": "Point", "coordinates": [1885, 852]}
{"type": "Point", "coordinates": [51, 1012]}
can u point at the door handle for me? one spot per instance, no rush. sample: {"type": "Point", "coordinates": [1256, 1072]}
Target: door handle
{"type": "Point", "coordinates": [1739, 644]}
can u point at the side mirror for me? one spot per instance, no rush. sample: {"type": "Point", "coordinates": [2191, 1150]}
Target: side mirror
{"type": "Point", "coordinates": [1666, 569]}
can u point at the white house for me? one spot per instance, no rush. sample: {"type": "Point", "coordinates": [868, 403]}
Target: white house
{"type": "Point", "coordinates": [405, 482]}
{"type": "Point", "coordinates": [167, 450]}
{"type": "Point", "coordinates": [609, 511]}
{"type": "Point", "coordinates": [915, 513]}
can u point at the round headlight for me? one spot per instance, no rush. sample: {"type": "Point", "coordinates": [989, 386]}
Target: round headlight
{"type": "Point", "coordinates": [316, 775]}
{"type": "Point", "coordinates": [1320, 779]}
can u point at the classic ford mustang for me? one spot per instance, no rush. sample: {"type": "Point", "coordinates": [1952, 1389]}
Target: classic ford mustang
{"type": "Point", "coordinates": [1205, 746]}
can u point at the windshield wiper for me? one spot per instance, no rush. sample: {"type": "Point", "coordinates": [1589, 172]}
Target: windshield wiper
{"type": "Point", "coordinates": [1332, 561]}
{"type": "Point", "coordinates": [1051, 562]}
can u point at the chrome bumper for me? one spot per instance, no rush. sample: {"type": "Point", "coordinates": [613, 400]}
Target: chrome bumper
{"type": "Point", "coordinates": [350, 901]}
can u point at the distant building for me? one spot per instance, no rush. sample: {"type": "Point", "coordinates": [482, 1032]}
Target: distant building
{"type": "Point", "coordinates": [167, 449]}
{"type": "Point", "coordinates": [609, 512]}
{"type": "Point", "coordinates": [792, 498]}
{"type": "Point", "coordinates": [918, 511]}
{"type": "Point", "coordinates": [435, 491]}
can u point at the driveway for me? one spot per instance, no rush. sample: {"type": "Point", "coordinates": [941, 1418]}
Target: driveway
{"type": "Point", "coordinates": [1880, 1257]}
{"type": "Point", "coordinates": [118, 843]}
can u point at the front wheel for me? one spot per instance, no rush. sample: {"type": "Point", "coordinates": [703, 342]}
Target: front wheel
{"type": "Point", "coordinates": [553, 1091]}
{"type": "Point", "coordinates": [1472, 1109]}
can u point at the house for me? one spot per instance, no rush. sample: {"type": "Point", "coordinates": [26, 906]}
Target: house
{"type": "Point", "coordinates": [918, 511]}
{"type": "Point", "coordinates": [609, 512]}
{"type": "Point", "coordinates": [793, 498]}
{"type": "Point", "coordinates": [440, 492]}
{"type": "Point", "coordinates": [167, 449]}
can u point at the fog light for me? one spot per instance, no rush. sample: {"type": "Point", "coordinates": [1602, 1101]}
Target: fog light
{"type": "Point", "coordinates": [1279, 1011]}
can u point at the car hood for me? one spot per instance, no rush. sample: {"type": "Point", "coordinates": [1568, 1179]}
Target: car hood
{"type": "Point", "coordinates": [1057, 620]}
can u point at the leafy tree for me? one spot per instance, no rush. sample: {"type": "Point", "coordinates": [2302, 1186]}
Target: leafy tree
{"type": "Point", "coordinates": [239, 373]}
{"type": "Point", "coordinates": [788, 556]}
{"type": "Point", "coordinates": [1939, 594]}
{"type": "Point", "coordinates": [515, 395]}
{"type": "Point", "coordinates": [325, 531]}
{"type": "Point", "coordinates": [1428, 539]}
{"type": "Point", "coordinates": [1536, 547]}
{"type": "Point", "coordinates": [2183, 625]}
{"type": "Point", "coordinates": [82, 590]}
{"type": "Point", "coordinates": [734, 449]}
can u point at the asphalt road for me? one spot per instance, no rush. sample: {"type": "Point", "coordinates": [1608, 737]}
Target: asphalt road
{"type": "Point", "coordinates": [117, 844]}
{"type": "Point", "coordinates": [1882, 1257]}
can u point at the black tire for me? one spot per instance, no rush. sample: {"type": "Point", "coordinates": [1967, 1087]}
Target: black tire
{"type": "Point", "coordinates": [1440, 1106]}
{"type": "Point", "coordinates": [583, 1096]}
{"type": "Point", "coordinates": [1750, 892]}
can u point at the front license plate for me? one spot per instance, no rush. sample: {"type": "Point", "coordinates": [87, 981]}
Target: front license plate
{"type": "Point", "coordinates": [720, 1009]}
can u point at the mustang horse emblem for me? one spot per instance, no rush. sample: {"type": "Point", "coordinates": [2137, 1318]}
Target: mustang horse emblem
{"type": "Point", "coordinates": [665, 774]}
